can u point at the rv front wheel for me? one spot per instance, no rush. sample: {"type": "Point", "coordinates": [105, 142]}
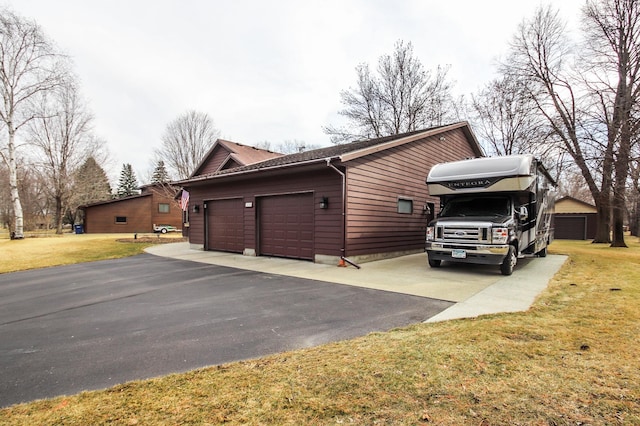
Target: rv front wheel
{"type": "Point", "coordinates": [509, 262]}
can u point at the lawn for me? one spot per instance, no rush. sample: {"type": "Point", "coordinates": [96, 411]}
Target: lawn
{"type": "Point", "coordinates": [572, 359]}
{"type": "Point", "coordinates": [46, 249]}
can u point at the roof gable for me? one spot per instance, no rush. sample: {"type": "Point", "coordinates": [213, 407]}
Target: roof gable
{"type": "Point", "coordinates": [569, 204]}
{"type": "Point", "coordinates": [349, 151]}
{"type": "Point", "coordinates": [226, 155]}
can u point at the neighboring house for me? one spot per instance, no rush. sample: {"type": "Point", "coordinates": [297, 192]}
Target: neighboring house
{"type": "Point", "coordinates": [156, 204]}
{"type": "Point", "coordinates": [574, 219]}
{"type": "Point", "coordinates": [363, 200]}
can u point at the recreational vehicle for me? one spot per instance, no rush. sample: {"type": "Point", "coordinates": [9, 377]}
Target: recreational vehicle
{"type": "Point", "coordinates": [493, 211]}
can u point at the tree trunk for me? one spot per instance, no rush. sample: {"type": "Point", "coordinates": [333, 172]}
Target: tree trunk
{"type": "Point", "coordinates": [603, 218]}
{"type": "Point", "coordinates": [618, 221]}
{"type": "Point", "coordinates": [59, 215]}
{"type": "Point", "coordinates": [18, 232]}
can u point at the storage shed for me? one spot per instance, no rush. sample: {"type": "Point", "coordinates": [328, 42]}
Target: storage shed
{"type": "Point", "coordinates": [574, 219]}
{"type": "Point", "coordinates": [364, 200]}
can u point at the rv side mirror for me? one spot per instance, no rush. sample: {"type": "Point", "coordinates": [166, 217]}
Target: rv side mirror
{"type": "Point", "coordinates": [523, 213]}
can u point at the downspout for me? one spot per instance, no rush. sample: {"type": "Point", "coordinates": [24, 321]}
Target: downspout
{"type": "Point", "coordinates": [344, 214]}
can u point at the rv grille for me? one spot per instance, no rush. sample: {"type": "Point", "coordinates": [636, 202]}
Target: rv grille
{"type": "Point", "coordinates": [463, 234]}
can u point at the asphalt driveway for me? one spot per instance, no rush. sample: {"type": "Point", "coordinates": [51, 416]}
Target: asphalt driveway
{"type": "Point", "coordinates": [94, 325]}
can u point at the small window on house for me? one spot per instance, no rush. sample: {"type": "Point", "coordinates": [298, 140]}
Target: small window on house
{"type": "Point", "coordinates": [121, 219]}
{"type": "Point", "coordinates": [163, 208]}
{"type": "Point", "coordinates": [405, 206]}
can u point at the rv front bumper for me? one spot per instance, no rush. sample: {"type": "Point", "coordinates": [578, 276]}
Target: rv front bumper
{"type": "Point", "coordinates": [482, 254]}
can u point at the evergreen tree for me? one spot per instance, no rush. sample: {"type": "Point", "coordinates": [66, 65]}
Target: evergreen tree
{"type": "Point", "coordinates": [160, 174]}
{"type": "Point", "coordinates": [128, 184]}
{"type": "Point", "coordinates": [90, 185]}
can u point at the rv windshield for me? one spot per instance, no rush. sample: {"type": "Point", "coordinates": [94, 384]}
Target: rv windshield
{"type": "Point", "coordinates": [480, 206]}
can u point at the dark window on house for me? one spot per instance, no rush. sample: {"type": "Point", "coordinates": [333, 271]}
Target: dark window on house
{"type": "Point", "coordinates": [121, 219]}
{"type": "Point", "coordinates": [405, 206]}
{"type": "Point", "coordinates": [163, 208]}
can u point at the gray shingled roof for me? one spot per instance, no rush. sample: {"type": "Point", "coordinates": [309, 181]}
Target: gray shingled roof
{"type": "Point", "coordinates": [310, 156]}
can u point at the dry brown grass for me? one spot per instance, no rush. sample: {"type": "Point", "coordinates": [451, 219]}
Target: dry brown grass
{"type": "Point", "coordinates": [572, 359]}
{"type": "Point", "coordinates": [46, 249]}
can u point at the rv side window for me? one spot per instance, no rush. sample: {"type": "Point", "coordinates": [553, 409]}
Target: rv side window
{"type": "Point", "coordinates": [405, 206]}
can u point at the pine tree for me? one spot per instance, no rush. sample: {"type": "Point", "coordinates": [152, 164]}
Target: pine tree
{"type": "Point", "coordinates": [160, 174]}
{"type": "Point", "coordinates": [90, 185]}
{"type": "Point", "coordinates": [128, 184]}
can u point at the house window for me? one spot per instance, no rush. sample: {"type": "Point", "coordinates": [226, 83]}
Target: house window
{"type": "Point", "coordinates": [121, 219]}
{"type": "Point", "coordinates": [405, 206]}
{"type": "Point", "coordinates": [163, 208]}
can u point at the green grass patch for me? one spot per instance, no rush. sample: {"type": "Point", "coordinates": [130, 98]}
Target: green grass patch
{"type": "Point", "coordinates": [571, 359]}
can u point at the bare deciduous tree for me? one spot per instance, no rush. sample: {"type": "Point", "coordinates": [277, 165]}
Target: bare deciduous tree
{"type": "Point", "coordinates": [541, 57]}
{"type": "Point", "coordinates": [185, 142]}
{"type": "Point", "coordinates": [401, 97]}
{"type": "Point", "coordinates": [612, 28]}
{"type": "Point", "coordinates": [29, 65]}
{"type": "Point", "coordinates": [287, 147]}
{"type": "Point", "coordinates": [62, 136]}
{"type": "Point", "coordinates": [503, 119]}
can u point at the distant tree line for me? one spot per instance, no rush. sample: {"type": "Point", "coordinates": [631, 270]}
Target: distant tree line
{"type": "Point", "coordinates": [574, 102]}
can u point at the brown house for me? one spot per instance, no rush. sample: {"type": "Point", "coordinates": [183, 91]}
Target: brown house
{"type": "Point", "coordinates": [364, 200]}
{"type": "Point", "coordinates": [574, 219]}
{"type": "Point", "coordinates": [156, 205]}
{"type": "Point", "coordinates": [137, 213]}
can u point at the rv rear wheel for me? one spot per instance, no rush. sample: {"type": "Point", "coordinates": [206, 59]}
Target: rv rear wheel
{"type": "Point", "coordinates": [509, 262]}
{"type": "Point", "coordinates": [435, 263]}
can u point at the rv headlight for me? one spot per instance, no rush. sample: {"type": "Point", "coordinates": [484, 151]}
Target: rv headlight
{"type": "Point", "coordinates": [500, 235]}
{"type": "Point", "coordinates": [430, 233]}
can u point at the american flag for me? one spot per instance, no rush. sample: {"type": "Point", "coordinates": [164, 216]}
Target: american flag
{"type": "Point", "coordinates": [184, 200]}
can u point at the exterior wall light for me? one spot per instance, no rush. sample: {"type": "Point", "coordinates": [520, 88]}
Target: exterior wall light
{"type": "Point", "coordinates": [196, 208]}
{"type": "Point", "coordinates": [324, 203]}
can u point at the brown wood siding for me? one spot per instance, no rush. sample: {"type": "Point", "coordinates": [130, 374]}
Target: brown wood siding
{"type": "Point", "coordinates": [173, 217]}
{"type": "Point", "coordinates": [101, 218]}
{"type": "Point", "coordinates": [217, 158]}
{"type": "Point", "coordinates": [321, 182]}
{"type": "Point", "coordinates": [141, 213]}
{"type": "Point", "coordinates": [376, 182]}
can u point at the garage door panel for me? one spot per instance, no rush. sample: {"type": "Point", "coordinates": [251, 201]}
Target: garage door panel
{"type": "Point", "coordinates": [570, 227]}
{"type": "Point", "coordinates": [225, 225]}
{"type": "Point", "coordinates": [286, 226]}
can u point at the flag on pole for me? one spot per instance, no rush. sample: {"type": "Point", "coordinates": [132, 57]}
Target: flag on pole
{"type": "Point", "coordinates": [184, 200]}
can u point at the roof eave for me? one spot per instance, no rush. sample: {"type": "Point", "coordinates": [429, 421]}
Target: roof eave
{"type": "Point", "coordinates": [199, 179]}
{"type": "Point", "coordinates": [430, 132]}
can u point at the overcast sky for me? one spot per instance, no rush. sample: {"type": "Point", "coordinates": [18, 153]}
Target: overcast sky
{"type": "Point", "coordinates": [263, 70]}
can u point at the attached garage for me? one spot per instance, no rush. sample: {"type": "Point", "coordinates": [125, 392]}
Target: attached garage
{"type": "Point", "coordinates": [363, 200]}
{"type": "Point", "coordinates": [286, 226]}
{"type": "Point", "coordinates": [225, 226]}
{"type": "Point", "coordinates": [574, 219]}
